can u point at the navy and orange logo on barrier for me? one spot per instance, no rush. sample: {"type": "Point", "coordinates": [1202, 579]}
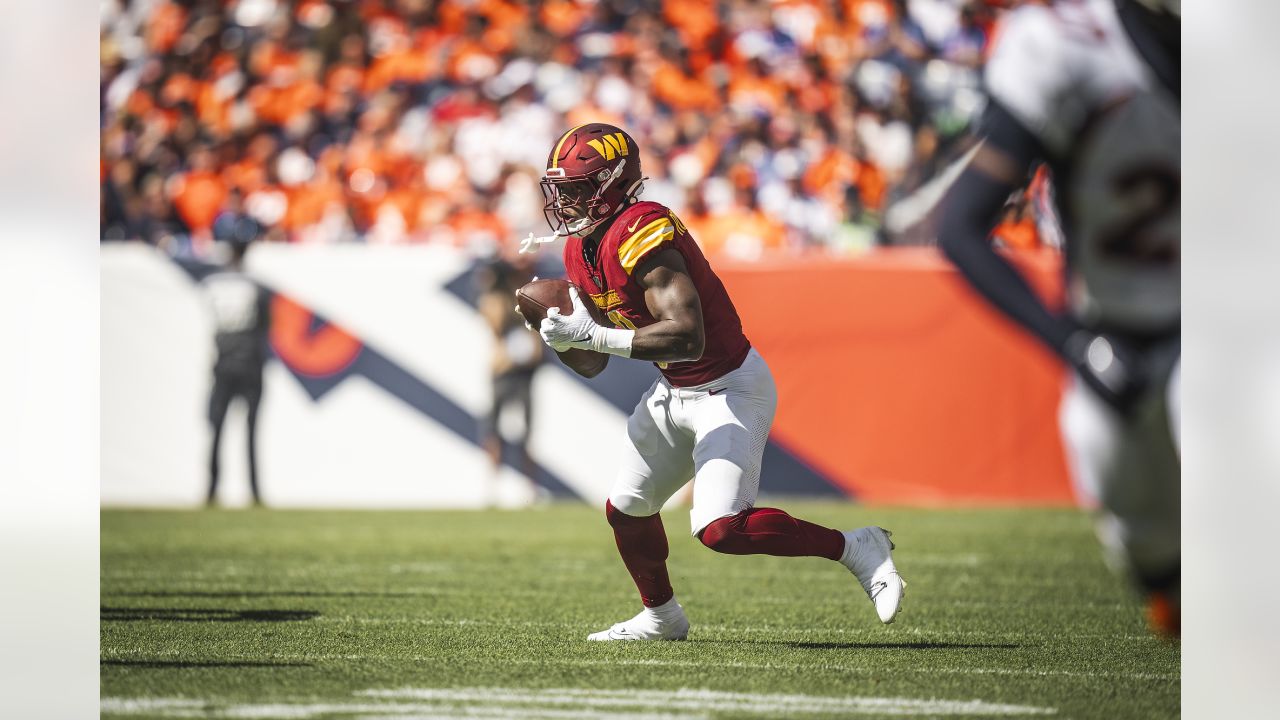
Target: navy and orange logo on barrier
{"type": "Point", "coordinates": [308, 345]}
{"type": "Point", "coordinates": [320, 355]}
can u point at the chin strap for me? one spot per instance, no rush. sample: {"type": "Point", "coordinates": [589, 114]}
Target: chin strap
{"type": "Point", "coordinates": [614, 175]}
{"type": "Point", "coordinates": [530, 244]}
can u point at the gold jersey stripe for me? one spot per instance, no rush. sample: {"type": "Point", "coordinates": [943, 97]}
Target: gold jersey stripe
{"type": "Point", "coordinates": [644, 240]}
{"type": "Point", "coordinates": [555, 155]}
{"type": "Point", "coordinates": [636, 235]}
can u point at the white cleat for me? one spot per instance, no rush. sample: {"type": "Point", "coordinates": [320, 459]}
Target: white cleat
{"type": "Point", "coordinates": [867, 555]}
{"type": "Point", "coordinates": [665, 622]}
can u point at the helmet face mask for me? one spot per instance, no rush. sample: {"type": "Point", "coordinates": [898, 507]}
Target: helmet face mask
{"type": "Point", "coordinates": [593, 172]}
{"type": "Point", "coordinates": [573, 204]}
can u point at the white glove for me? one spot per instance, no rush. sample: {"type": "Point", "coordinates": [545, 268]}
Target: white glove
{"type": "Point", "coordinates": [580, 330]}
{"type": "Point", "coordinates": [562, 332]}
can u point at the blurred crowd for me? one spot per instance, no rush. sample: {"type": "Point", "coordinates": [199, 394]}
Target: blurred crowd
{"type": "Point", "coordinates": [769, 126]}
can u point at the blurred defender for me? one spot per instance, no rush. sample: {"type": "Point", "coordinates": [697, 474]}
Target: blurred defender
{"type": "Point", "coordinates": [241, 317]}
{"type": "Point", "coordinates": [708, 416]}
{"type": "Point", "coordinates": [1092, 88]}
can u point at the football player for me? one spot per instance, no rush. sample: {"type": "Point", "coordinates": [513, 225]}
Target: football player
{"type": "Point", "coordinates": [1091, 87]}
{"type": "Point", "coordinates": [707, 416]}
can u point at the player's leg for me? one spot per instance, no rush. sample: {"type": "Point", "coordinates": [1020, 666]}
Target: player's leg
{"type": "Point", "coordinates": [252, 394]}
{"type": "Point", "coordinates": [1173, 401]}
{"type": "Point", "coordinates": [1165, 606]}
{"type": "Point", "coordinates": [219, 400]}
{"type": "Point", "coordinates": [656, 461]}
{"type": "Point", "coordinates": [524, 398]}
{"type": "Point", "coordinates": [1130, 468]}
{"type": "Point", "coordinates": [491, 439]}
{"type": "Point", "coordinates": [732, 422]}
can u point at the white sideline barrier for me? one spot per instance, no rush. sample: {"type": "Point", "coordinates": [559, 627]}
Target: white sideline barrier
{"type": "Point", "coordinates": [357, 445]}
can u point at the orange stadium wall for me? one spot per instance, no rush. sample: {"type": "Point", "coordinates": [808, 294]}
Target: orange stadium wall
{"type": "Point", "coordinates": [900, 385]}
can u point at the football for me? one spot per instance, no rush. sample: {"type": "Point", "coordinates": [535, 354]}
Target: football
{"type": "Point", "coordinates": [533, 301]}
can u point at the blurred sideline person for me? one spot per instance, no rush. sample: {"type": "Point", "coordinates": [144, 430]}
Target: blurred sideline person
{"type": "Point", "coordinates": [708, 416]}
{"type": "Point", "coordinates": [517, 353]}
{"type": "Point", "coordinates": [1092, 88]}
{"type": "Point", "coordinates": [241, 317]}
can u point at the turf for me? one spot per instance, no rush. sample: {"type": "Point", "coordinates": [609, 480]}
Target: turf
{"type": "Point", "coordinates": [478, 614]}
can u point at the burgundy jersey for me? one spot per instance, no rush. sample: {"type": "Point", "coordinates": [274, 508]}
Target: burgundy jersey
{"type": "Point", "coordinates": [634, 234]}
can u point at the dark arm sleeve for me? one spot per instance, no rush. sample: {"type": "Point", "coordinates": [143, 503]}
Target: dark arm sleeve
{"type": "Point", "coordinates": [970, 211]}
{"type": "Point", "coordinates": [264, 309]}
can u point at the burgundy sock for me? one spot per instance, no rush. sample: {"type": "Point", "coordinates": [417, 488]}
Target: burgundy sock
{"type": "Point", "coordinates": [770, 531]}
{"type": "Point", "coordinates": [642, 542]}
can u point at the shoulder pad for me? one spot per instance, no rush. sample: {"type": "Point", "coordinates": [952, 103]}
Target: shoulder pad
{"type": "Point", "coordinates": [642, 228]}
{"type": "Point", "coordinates": [1027, 72]}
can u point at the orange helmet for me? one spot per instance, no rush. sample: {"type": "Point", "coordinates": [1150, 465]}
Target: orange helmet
{"type": "Point", "coordinates": [593, 172]}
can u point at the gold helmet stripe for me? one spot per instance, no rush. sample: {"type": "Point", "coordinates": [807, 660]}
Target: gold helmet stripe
{"type": "Point", "coordinates": [555, 155]}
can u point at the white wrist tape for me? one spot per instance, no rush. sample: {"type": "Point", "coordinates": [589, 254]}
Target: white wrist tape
{"type": "Point", "coordinates": [615, 341]}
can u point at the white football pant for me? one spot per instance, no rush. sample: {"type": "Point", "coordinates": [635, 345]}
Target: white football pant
{"type": "Point", "coordinates": [714, 433]}
{"type": "Point", "coordinates": [1131, 469]}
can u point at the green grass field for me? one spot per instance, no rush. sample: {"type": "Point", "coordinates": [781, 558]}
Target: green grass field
{"type": "Point", "coordinates": [274, 614]}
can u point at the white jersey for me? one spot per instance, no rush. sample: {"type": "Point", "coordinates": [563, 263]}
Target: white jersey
{"type": "Point", "coordinates": [240, 317]}
{"type": "Point", "coordinates": [234, 299]}
{"type": "Point", "coordinates": [1071, 75]}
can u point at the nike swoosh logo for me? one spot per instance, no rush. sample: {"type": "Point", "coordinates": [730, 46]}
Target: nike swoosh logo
{"type": "Point", "coordinates": [633, 225]}
{"type": "Point", "coordinates": [619, 633]}
{"type": "Point", "coordinates": [877, 587]}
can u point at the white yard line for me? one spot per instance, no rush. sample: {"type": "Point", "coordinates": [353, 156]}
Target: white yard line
{"type": "Point", "coordinates": [284, 711]}
{"type": "Point", "coordinates": [565, 704]}
{"type": "Point", "coordinates": [1163, 677]}
{"type": "Point", "coordinates": [692, 663]}
{"type": "Point", "coordinates": [714, 700]}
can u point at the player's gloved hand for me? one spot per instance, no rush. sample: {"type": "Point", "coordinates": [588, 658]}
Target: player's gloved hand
{"type": "Point", "coordinates": [527, 326]}
{"type": "Point", "coordinates": [1109, 367]}
{"type": "Point", "coordinates": [562, 332]}
{"type": "Point", "coordinates": [579, 330]}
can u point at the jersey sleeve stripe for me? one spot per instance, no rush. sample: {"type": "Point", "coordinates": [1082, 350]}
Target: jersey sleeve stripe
{"type": "Point", "coordinates": [644, 240]}
{"type": "Point", "coordinates": [638, 235]}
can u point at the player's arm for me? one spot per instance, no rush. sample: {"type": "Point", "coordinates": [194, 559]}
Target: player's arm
{"type": "Point", "coordinates": [262, 305]}
{"type": "Point", "coordinates": [673, 300]}
{"type": "Point", "coordinates": [970, 211]}
{"type": "Point", "coordinates": [586, 371]}
{"type": "Point", "coordinates": [648, 256]}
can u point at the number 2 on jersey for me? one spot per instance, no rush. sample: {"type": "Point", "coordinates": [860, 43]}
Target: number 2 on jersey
{"type": "Point", "coordinates": [1155, 190]}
